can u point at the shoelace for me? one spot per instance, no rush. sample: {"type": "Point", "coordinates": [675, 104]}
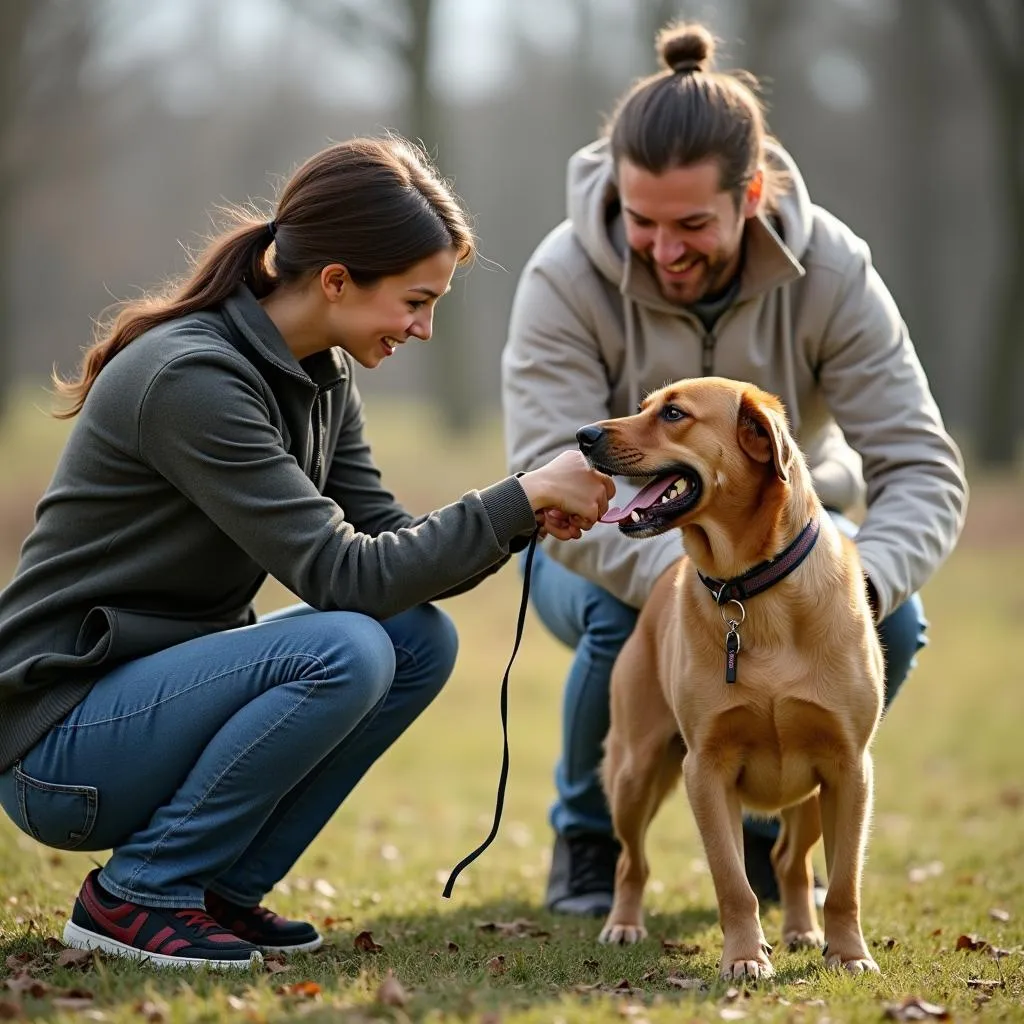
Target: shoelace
{"type": "Point", "coordinates": [503, 778]}
{"type": "Point", "coordinates": [201, 921]}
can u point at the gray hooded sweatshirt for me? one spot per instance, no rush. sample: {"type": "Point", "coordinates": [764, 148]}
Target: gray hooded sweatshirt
{"type": "Point", "coordinates": [812, 322]}
{"type": "Point", "coordinates": [206, 457]}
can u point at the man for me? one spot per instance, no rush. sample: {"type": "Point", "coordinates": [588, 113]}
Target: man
{"type": "Point", "coordinates": [692, 247]}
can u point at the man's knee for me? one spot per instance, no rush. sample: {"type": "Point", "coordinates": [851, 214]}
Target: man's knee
{"type": "Point", "coordinates": [902, 635]}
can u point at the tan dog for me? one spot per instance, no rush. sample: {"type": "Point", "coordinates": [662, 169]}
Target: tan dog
{"type": "Point", "coordinates": [776, 695]}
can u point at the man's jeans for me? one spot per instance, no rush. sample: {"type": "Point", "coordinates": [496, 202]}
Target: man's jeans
{"type": "Point", "coordinates": [595, 624]}
{"type": "Point", "coordinates": [215, 763]}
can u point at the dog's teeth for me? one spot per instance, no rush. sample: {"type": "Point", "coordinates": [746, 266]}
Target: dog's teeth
{"type": "Point", "coordinates": [635, 516]}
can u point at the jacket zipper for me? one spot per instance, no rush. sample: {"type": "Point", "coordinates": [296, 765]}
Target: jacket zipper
{"type": "Point", "coordinates": [707, 354]}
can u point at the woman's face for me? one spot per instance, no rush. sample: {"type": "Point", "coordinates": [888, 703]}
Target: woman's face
{"type": "Point", "coordinates": [371, 323]}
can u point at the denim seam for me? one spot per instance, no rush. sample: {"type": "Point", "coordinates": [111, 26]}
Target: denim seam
{"type": "Point", "coordinates": [187, 690]}
{"type": "Point", "coordinates": [155, 849]}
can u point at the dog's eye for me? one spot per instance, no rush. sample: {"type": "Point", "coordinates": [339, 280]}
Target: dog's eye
{"type": "Point", "coordinates": [672, 413]}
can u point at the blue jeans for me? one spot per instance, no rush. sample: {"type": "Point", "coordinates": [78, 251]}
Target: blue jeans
{"type": "Point", "coordinates": [595, 624]}
{"type": "Point", "coordinates": [215, 763]}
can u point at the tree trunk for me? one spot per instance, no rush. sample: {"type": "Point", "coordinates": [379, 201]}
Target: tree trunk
{"type": "Point", "coordinates": [14, 17]}
{"type": "Point", "coordinates": [449, 366]}
{"type": "Point", "coordinates": [999, 43]}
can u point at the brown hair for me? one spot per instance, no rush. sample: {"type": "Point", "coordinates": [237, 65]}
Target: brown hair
{"type": "Point", "coordinates": [688, 113]}
{"type": "Point", "coordinates": [378, 206]}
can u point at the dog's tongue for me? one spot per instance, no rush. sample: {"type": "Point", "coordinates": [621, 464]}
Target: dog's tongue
{"type": "Point", "coordinates": [644, 499]}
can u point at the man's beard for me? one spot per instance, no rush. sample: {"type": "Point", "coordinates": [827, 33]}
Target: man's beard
{"type": "Point", "coordinates": [708, 277]}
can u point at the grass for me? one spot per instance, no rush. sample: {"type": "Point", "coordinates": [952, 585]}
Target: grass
{"type": "Point", "coordinates": [946, 857]}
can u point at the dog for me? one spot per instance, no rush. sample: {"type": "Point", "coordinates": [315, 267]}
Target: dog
{"type": "Point", "coordinates": [754, 670]}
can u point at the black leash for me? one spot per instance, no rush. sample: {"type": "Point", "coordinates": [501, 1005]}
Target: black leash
{"type": "Point", "coordinates": [467, 860]}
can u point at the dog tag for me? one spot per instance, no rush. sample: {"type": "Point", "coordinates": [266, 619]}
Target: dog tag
{"type": "Point", "coordinates": [732, 654]}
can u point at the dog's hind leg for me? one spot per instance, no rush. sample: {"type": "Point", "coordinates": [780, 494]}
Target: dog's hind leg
{"type": "Point", "coordinates": [791, 858]}
{"type": "Point", "coordinates": [845, 812]}
{"type": "Point", "coordinates": [637, 780]}
{"type": "Point", "coordinates": [715, 802]}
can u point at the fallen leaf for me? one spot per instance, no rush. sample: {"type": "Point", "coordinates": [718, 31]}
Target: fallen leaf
{"type": "Point", "coordinates": [915, 1008]}
{"type": "Point", "coordinates": [985, 983]}
{"type": "Point", "coordinates": [276, 966]}
{"type": "Point", "coordinates": [322, 886]}
{"type": "Point", "coordinates": [19, 961]}
{"type": "Point", "coordinates": [364, 943]}
{"type": "Point", "coordinates": [1012, 797]}
{"type": "Point", "coordinates": [622, 985]}
{"type": "Point", "coordinates": [731, 1013]}
{"type": "Point", "coordinates": [23, 983]}
{"type": "Point", "coordinates": [496, 965]}
{"type": "Point", "coordinates": [972, 943]}
{"type": "Point", "coordinates": [519, 928]}
{"type": "Point", "coordinates": [886, 942]}
{"type": "Point", "coordinates": [686, 984]}
{"type": "Point", "coordinates": [731, 995]}
{"type": "Point", "coordinates": [391, 992]}
{"type": "Point", "coordinates": [680, 948]}
{"type": "Point", "coordinates": [9, 1009]}
{"type": "Point", "coordinates": [453, 947]}
{"type": "Point", "coordinates": [75, 958]}
{"type": "Point", "coordinates": [591, 965]}
{"type": "Point", "coordinates": [302, 989]}
{"type": "Point", "coordinates": [237, 1003]}
{"type": "Point", "coordinates": [154, 1012]}
{"type": "Point", "coordinates": [998, 914]}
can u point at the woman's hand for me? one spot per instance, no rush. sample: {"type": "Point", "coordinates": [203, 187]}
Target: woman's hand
{"type": "Point", "coordinates": [569, 493]}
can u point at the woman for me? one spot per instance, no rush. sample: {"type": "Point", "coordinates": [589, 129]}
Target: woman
{"type": "Point", "coordinates": [219, 438]}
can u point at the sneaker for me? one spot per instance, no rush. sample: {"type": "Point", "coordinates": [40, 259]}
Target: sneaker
{"type": "Point", "coordinates": [757, 857]}
{"type": "Point", "coordinates": [582, 878]}
{"type": "Point", "coordinates": [161, 936]}
{"type": "Point", "coordinates": [263, 928]}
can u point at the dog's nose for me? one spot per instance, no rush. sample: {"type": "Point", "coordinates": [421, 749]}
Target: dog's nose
{"type": "Point", "coordinates": [589, 436]}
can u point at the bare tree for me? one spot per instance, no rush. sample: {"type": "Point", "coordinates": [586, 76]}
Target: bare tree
{"type": "Point", "coordinates": [403, 31]}
{"type": "Point", "coordinates": [996, 30]}
{"type": "Point", "coordinates": [14, 21]}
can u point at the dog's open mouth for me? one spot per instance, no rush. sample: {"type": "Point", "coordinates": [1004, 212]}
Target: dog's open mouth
{"type": "Point", "coordinates": [657, 507]}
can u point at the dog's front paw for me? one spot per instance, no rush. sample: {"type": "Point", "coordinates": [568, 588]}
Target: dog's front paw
{"type": "Point", "coordinates": [614, 934]}
{"type": "Point", "coordinates": [855, 965]}
{"type": "Point", "coordinates": [811, 939]}
{"type": "Point", "coordinates": [750, 969]}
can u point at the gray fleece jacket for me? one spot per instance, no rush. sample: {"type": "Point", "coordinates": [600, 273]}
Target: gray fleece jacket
{"type": "Point", "coordinates": [205, 458]}
{"type": "Point", "coordinates": [812, 322]}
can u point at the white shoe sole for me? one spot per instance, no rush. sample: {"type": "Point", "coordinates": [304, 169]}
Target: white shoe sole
{"type": "Point", "coordinates": [305, 947]}
{"type": "Point", "coordinates": [82, 938]}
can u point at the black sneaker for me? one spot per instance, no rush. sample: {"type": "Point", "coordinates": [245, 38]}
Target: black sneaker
{"type": "Point", "coordinates": [161, 936]}
{"type": "Point", "coordinates": [582, 878]}
{"type": "Point", "coordinates": [757, 857]}
{"type": "Point", "coordinates": [262, 927]}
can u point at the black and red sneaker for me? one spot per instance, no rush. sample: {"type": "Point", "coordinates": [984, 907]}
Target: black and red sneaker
{"type": "Point", "coordinates": [162, 936]}
{"type": "Point", "coordinates": [262, 927]}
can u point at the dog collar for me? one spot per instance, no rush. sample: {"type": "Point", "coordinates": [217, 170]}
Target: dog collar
{"type": "Point", "coordinates": [767, 574]}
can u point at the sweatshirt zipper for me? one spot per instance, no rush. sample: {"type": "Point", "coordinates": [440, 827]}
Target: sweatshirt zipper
{"type": "Point", "coordinates": [707, 354]}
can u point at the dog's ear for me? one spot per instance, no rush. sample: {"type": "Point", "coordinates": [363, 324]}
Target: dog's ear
{"type": "Point", "coordinates": [762, 432]}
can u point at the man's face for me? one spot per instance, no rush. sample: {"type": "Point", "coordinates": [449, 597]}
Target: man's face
{"type": "Point", "coordinates": [684, 227]}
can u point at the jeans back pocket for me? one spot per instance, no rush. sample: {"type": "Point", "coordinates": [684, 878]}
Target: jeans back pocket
{"type": "Point", "coordinates": [56, 815]}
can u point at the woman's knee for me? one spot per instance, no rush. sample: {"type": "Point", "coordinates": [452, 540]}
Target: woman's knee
{"type": "Point", "coordinates": [360, 658]}
{"type": "Point", "coordinates": [426, 645]}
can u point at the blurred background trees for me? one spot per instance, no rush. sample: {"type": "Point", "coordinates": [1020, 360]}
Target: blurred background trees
{"type": "Point", "coordinates": [123, 124]}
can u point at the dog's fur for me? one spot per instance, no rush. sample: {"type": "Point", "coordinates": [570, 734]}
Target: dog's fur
{"type": "Point", "coordinates": [793, 733]}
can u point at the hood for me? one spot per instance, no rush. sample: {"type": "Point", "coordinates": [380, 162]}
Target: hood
{"type": "Point", "coordinates": [593, 200]}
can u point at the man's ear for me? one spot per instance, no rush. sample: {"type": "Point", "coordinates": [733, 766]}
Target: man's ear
{"type": "Point", "coordinates": [762, 432]}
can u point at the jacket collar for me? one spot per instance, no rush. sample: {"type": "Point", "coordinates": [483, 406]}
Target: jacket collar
{"type": "Point", "coordinates": [244, 313]}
